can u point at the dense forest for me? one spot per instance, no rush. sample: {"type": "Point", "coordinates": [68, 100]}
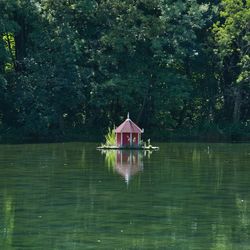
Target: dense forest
{"type": "Point", "coordinates": [73, 68]}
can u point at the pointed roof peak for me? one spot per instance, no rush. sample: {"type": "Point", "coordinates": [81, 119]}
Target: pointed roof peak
{"type": "Point", "coordinates": [128, 126]}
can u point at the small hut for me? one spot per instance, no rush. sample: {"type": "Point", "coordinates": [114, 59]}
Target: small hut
{"type": "Point", "coordinates": [128, 134]}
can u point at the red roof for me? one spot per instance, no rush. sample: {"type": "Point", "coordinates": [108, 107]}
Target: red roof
{"type": "Point", "coordinates": [128, 127]}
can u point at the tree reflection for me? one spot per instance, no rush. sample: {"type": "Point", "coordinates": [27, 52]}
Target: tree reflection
{"type": "Point", "coordinates": [8, 222]}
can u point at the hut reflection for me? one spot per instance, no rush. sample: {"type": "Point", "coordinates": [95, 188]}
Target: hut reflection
{"type": "Point", "coordinates": [125, 162]}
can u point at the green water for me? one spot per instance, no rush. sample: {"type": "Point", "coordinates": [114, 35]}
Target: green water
{"type": "Point", "coordinates": [71, 196]}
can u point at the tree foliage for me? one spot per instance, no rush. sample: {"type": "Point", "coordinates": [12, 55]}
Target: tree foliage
{"type": "Point", "coordinates": [232, 35]}
{"type": "Point", "coordinates": [174, 65]}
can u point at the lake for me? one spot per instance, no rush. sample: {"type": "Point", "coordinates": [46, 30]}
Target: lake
{"type": "Point", "coordinates": [71, 196]}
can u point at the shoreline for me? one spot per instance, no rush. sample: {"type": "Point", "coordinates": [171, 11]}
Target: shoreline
{"type": "Point", "coordinates": [12, 141]}
{"type": "Point", "coordinates": [83, 135]}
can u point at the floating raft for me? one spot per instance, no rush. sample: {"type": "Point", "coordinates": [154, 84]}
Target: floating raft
{"type": "Point", "coordinates": [128, 148]}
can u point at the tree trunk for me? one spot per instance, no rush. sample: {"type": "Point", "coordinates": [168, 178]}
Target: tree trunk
{"type": "Point", "coordinates": [143, 106]}
{"type": "Point", "coordinates": [237, 104]}
{"type": "Point", "coordinates": [146, 97]}
{"type": "Point", "coordinates": [20, 41]}
{"type": "Point", "coordinates": [61, 124]}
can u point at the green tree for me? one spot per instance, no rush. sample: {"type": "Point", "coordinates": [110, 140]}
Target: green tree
{"type": "Point", "coordinates": [141, 55]}
{"type": "Point", "coordinates": [232, 42]}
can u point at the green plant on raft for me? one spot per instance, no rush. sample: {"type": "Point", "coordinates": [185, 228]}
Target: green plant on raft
{"type": "Point", "coordinates": [110, 139]}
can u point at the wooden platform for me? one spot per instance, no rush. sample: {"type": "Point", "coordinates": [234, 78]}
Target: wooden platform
{"type": "Point", "coordinates": [128, 148]}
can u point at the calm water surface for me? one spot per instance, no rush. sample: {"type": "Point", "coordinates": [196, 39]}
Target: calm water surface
{"type": "Point", "coordinates": [71, 196]}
